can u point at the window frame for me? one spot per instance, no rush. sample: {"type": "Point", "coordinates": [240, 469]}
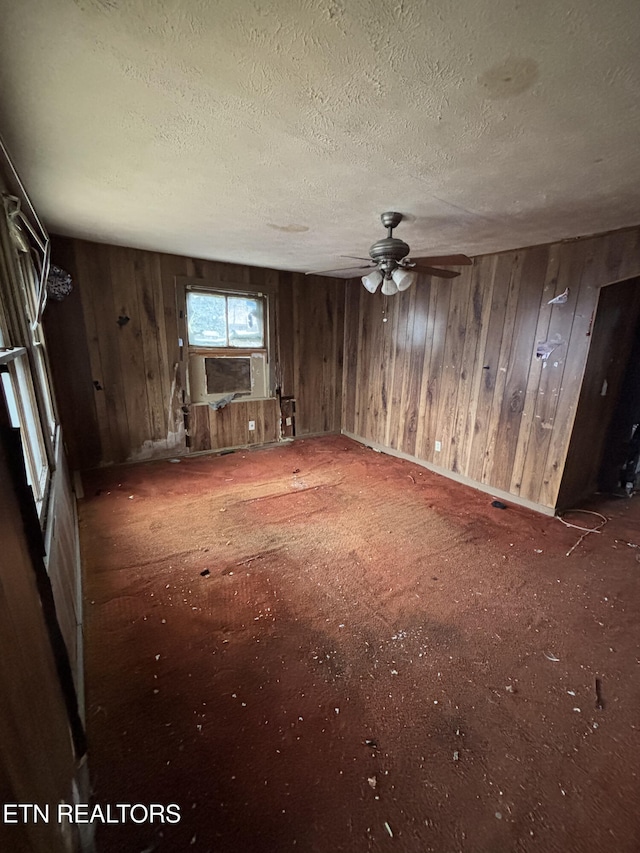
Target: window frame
{"type": "Point", "coordinates": [184, 285]}
{"type": "Point", "coordinates": [24, 410]}
{"type": "Point", "coordinates": [24, 251]}
{"type": "Point", "coordinates": [226, 295]}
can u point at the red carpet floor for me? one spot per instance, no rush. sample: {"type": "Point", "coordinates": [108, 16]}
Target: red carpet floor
{"type": "Point", "coordinates": [319, 648]}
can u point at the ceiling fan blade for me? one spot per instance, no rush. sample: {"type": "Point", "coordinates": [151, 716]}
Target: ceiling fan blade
{"type": "Point", "coordinates": [357, 258]}
{"type": "Point", "coordinates": [438, 273]}
{"type": "Point", "coordinates": [340, 272]}
{"type": "Point", "coordinates": [445, 260]}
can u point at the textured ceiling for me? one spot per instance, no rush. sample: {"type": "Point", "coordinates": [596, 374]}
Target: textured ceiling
{"type": "Point", "coordinates": [275, 132]}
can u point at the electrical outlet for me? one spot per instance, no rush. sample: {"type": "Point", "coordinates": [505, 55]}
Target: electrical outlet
{"type": "Point", "coordinates": [252, 426]}
{"type": "Point", "coordinates": [438, 446]}
{"type": "Point", "coordinates": [289, 421]}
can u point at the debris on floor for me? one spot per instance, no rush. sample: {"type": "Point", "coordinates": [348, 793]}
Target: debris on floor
{"type": "Point", "coordinates": [416, 576]}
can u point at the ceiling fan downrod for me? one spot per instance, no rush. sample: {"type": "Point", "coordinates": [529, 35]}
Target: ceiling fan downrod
{"type": "Point", "coordinates": [389, 252]}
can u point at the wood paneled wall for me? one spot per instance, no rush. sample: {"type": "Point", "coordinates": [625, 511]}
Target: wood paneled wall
{"type": "Point", "coordinates": [446, 361]}
{"type": "Point", "coordinates": [455, 362]}
{"type": "Point", "coordinates": [120, 383]}
{"type": "Point", "coordinates": [63, 567]}
{"type": "Point", "coordinates": [36, 756]}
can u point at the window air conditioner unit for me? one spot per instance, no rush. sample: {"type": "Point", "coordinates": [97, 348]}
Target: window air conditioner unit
{"type": "Point", "coordinates": [214, 377]}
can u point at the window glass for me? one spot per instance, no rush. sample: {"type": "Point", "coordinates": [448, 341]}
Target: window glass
{"type": "Point", "coordinates": [21, 403]}
{"type": "Point", "coordinates": [207, 320]}
{"type": "Point", "coordinates": [245, 322]}
{"type": "Point", "coordinates": [218, 320]}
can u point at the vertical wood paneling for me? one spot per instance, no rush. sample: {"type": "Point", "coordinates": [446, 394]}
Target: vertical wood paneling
{"type": "Point", "coordinates": [336, 357]}
{"type": "Point", "coordinates": [413, 367]}
{"type": "Point", "coordinates": [532, 276]}
{"type": "Point", "coordinates": [37, 757]}
{"type": "Point", "coordinates": [154, 341]}
{"type": "Point", "coordinates": [229, 426]}
{"type": "Point", "coordinates": [94, 282]}
{"type": "Point", "coordinates": [384, 366]}
{"type": "Point", "coordinates": [318, 314]}
{"type": "Point", "coordinates": [62, 562]}
{"type": "Point", "coordinates": [422, 447]}
{"type": "Point", "coordinates": [466, 374]}
{"type": "Point", "coordinates": [499, 278]}
{"type": "Point", "coordinates": [493, 470]}
{"type": "Point", "coordinates": [468, 341]}
{"type": "Point", "coordinates": [451, 369]}
{"type": "Point", "coordinates": [483, 281]}
{"type": "Point", "coordinates": [138, 408]}
{"type": "Point", "coordinates": [284, 334]}
{"type": "Point", "coordinates": [125, 287]}
{"type": "Point", "coordinates": [549, 291]}
{"type": "Point", "coordinates": [455, 362]}
{"type": "Point", "coordinates": [440, 302]}
{"type": "Point", "coordinates": [71, 371]}
{"type": "Point", "coordinates": [538, 475]}
{"type": "Point", "coordinates": [352, 295]}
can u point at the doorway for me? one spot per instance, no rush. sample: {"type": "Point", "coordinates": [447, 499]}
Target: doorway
{"type": "Point", "coordinates": [609, 397]}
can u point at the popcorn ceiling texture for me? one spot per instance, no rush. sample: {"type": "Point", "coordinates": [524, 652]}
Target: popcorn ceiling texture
{"type": "Point", "coordinates": [274, 133]}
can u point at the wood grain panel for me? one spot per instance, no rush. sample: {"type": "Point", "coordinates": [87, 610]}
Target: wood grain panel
{"type": "Point", "coordinates": [138, 407]}
{"type": "Point", "coordinates": [63, 563]}
{"type": "Point", "coordinates": [467, 375]}
{"type": "Point", "coordinates": [474, 368]}
{"type": "Point", "coordinates": [394, 427]}
{"type": "Point", "coordinates": [229, 426]}
{"type": "Point", "coordinates": [537, 475]}
{"type": "Point", "coordinates": [413, 366]}
{"type": "Point", "coordinates": [71, 371]}
{"type": "Point", "coordinates": [451, 368]}
{"type": "Point", "coordinates": [549, 291]}
{"type": "Point", "coordinates": [285, 375]}
{"type": "Point", "coordinates": [318, 313]}
{"type": "Point", "coordinates": [94, 282]}
{"type": "Point", "coordinates": [126, 319]}
{"type": "Point", "coordinates": [440, 301]}
{"type": "Point", "coordinates": [499, 278]}
{"type": "Point", "coordinates": [352, 300]}
{"type": "Point", "coordinates": [154, 340]}
{"type": "Point", "coordinates": [37, 762]}
{"type": "Point", "coordinates": [455, 362]}
{"type": "Point", "coordinates": [493, 470]}
{"type": "Point", "coordinates": [531, 286]}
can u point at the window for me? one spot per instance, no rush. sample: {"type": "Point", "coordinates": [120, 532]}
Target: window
{"type": "Point", "coordinates": [20, 397]}
{"type": "Point", "coordinates": [227, 335]}
{"type": "Point", "coordinates": [218, 320]}
{"type": "Point", "coordinates": [24, 373]}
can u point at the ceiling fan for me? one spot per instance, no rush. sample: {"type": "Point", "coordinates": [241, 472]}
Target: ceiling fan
{"type": "Point", "coordinates": [391, 265]}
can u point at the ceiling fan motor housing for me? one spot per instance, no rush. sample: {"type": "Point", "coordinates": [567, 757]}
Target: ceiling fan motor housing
{"type": "Point", "coordinates": [389, 252]}
{"type": "Point", "coordinates": [389, 249]}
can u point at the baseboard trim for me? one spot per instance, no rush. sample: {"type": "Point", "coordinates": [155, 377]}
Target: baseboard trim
{"type": "Point", "coordinates": [499, 494]}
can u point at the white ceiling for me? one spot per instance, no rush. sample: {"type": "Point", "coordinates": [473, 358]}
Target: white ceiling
{"type": "Point", "coordinates": [275, 132]}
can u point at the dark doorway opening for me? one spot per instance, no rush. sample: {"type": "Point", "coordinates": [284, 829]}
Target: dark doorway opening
{"type": "Point", "coordinates": [617, 470]}
{"type": "Point", "coordinates": [609, 397]}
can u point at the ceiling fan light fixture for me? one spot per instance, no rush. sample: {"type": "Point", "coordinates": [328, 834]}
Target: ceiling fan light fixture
{"type": "Point", "coordinates": [372, 281]}
{"type": "Point", "coordinates": [389, 287]}
{"type": "Point", "coordinates": [403, 278]}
